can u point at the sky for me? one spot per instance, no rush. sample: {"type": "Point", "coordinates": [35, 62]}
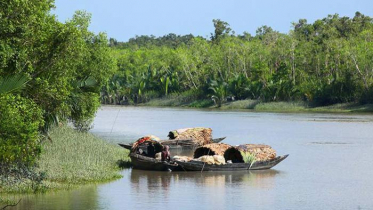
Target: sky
{"type": "Point", "coordinates": [124, 19]}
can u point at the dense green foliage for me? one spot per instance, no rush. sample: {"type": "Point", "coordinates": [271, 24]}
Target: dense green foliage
{"type": "Point", "coordinates": [49, 72]}
{"type": "Point", "coordinates": [326, 62]}
{"type": "Point", "coordinates": [170, 40]}
{"type": "Point", "coordinates": [20, 122]}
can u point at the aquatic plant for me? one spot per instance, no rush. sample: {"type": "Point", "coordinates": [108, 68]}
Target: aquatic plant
{"type": "Point", "coordinates": [248, 158]}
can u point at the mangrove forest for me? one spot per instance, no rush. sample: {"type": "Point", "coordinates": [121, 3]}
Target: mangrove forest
{"type": "Point", "coordinates": [54, 73]}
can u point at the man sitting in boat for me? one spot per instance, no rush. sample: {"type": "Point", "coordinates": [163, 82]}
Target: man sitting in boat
{"type": "Point", "coordinates": [151, 150]}
{"type": "Point", "coordinates": [166, 156]}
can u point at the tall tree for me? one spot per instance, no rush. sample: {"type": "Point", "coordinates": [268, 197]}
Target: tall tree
{"type": "Point", "coordinates": [221, 29]}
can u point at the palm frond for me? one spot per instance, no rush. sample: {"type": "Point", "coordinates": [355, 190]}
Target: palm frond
{"type": "Point", "coordinates": [86, 82]}
{"type": "Point", "coordinates": [13, 83]}
{"type": "Point", "coordinates": [50, 120]}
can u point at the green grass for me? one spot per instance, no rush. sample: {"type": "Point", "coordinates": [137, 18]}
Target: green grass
{"type": "Point", "coordinates": [240, 104]}
{"type": "Point", "coordinates": [344, 107]}
{"type": "Point", "coordinates": [201, 103]}
{"type": "Point", "coordinates": [281, 107]}
{"type": "Point", "coordinates": [170, 100]}
{"type": "Point", "coordinates": [164, 102]}
{"type": "Point", "coordinates": [257, 105]}
{"type": "Point", "coordinates": [362, 108]}
{"type": "Point", "coordinates": [184, 99]}
{"type": "Point", "coordinates": [72, 158]}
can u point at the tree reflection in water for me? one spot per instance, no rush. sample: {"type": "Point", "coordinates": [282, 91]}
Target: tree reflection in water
{"type": "Point", "coordinates": [84, 197]}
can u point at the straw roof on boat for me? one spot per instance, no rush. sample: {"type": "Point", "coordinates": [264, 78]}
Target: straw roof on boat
{"type": "Point", "coordinates": [146, 139]}
{"type": "Point", "coordinates": [260, 151]}
{"type": "Point", "coordinates": [199, 135]}
{"type": "Point", "coordinates": [211, 149]}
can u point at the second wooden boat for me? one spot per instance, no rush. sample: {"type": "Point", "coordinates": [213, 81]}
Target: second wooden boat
{"type": "Point", "coordinates": [174, 144]}
{"type": "Point", "coordinates": [258, 165]}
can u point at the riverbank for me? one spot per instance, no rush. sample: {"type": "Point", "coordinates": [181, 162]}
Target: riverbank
{"type": "Point", "coordinates": [70, 159]}
{"type": "Point", "coordinates": [257, 105]}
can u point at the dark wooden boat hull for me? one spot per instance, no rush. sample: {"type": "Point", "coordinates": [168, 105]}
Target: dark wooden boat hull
{"type": "Point", "coordinates": [126, 146]}
{"type": "Point", "coordinates": [259, 165]}
{"type": "Point", "coordinates": [174, 144]}
{"type": "Point", "coordinates": [218, 140]}
{"type": "Point", "coordinates": [148, 163]}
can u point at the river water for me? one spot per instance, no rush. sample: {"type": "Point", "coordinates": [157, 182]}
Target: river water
{"type": "Point", "coordinates": [329, 167]}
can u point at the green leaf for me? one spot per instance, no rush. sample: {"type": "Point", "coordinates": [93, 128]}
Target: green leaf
{"type": "Point", "coordinates": [12, 83]}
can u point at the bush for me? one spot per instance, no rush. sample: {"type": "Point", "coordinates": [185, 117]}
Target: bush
{"type": "Point", "coordinates": [343, 90]}
{"type": "Point", "coordinates": [367, 96]}
{"type": "Point", "coordinates": [20, 120]}
{"type": "Point", "coordinates": [84, 107]}
{"type": "Point", "coordinates": [149, 95]}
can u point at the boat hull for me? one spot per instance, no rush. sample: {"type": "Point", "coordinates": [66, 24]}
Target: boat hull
{"type": "Point", "coordinates": [259, 165]}
{"type": "Point", "coordinates": [147, 163]}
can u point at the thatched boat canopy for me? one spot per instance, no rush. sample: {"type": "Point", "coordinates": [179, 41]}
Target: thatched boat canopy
{"type": "Point", "coordinates": [146, 140]}
{"type": "Point", "coordinates": [199, 135]}
{"type": "Point", "coordinates": [211, 149]}
{"type": "Point", "coordinates": [259, 151]}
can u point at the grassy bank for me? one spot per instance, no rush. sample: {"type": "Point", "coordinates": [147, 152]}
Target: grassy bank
{"type": "Point", "coordinates": [72, 158]}
{"type": "Point", "coordinates": [257, 105]}
{"type": "Point", "coordinates": [303, 107]}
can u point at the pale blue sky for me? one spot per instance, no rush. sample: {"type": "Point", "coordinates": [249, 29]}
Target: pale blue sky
{"type": "Point", "coordinates": [123, 19]}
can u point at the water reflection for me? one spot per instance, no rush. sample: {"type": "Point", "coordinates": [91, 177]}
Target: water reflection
{"type": "Point", "coordinates": [81, 198]}
{"type": "Point", "coordinates": [213, 190]}
{"type": "Point", "coordinates": [162, 180]}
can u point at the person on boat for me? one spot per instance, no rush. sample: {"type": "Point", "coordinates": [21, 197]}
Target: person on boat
{"type": "Point", "coordinates": [151, 150]}
{"type": "Point", "coordinates": [166, 156]}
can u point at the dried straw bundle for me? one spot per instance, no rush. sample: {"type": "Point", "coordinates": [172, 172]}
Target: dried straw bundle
{"type": "Point", "coordinates": [214, 159]}
{"type": "Point", "coordinates": [200, 136]}
{"type": "Point", "coordinates": [211, 149]}
{"type": "Point", "coordinates": [260, 151]}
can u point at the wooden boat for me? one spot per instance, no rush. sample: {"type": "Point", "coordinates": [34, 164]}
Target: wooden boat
{"type": "Point", "coordinates": [258, 165]}
{"type": "Point", "coordinates": [140, 160]}
{"type": "Point", "coordinates": [218, 140]}
{"type": "Point", "coordinates": [185, 143]}
{"type": "Point", "coordinates": [264, 157]}
{"type": "Point", "coordinates": [126, 146]}
{"type": "Point", "coordinates": [148, 163]}
{"type": "Point", "coordinates": [174, 144]}
{"type": "Point", "coordinates": [228, 152]}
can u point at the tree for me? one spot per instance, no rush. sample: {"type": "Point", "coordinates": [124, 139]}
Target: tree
{"type": "Point", "coordinates": [221, 29]}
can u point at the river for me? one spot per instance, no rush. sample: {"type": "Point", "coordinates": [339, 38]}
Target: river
{"type": "Point", "coordinates": [329, 166]}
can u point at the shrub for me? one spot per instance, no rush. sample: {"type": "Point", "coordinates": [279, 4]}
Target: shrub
{"type": "Point", "coordinates": [84, 107]}
{"type": "Point", "coordinates": [20, 120]}
{"type": "Point", "coordinates": [367, 96]}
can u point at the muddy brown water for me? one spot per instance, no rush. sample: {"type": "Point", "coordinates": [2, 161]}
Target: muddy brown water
{"type": "Point", "coordinates": [330, 164]}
